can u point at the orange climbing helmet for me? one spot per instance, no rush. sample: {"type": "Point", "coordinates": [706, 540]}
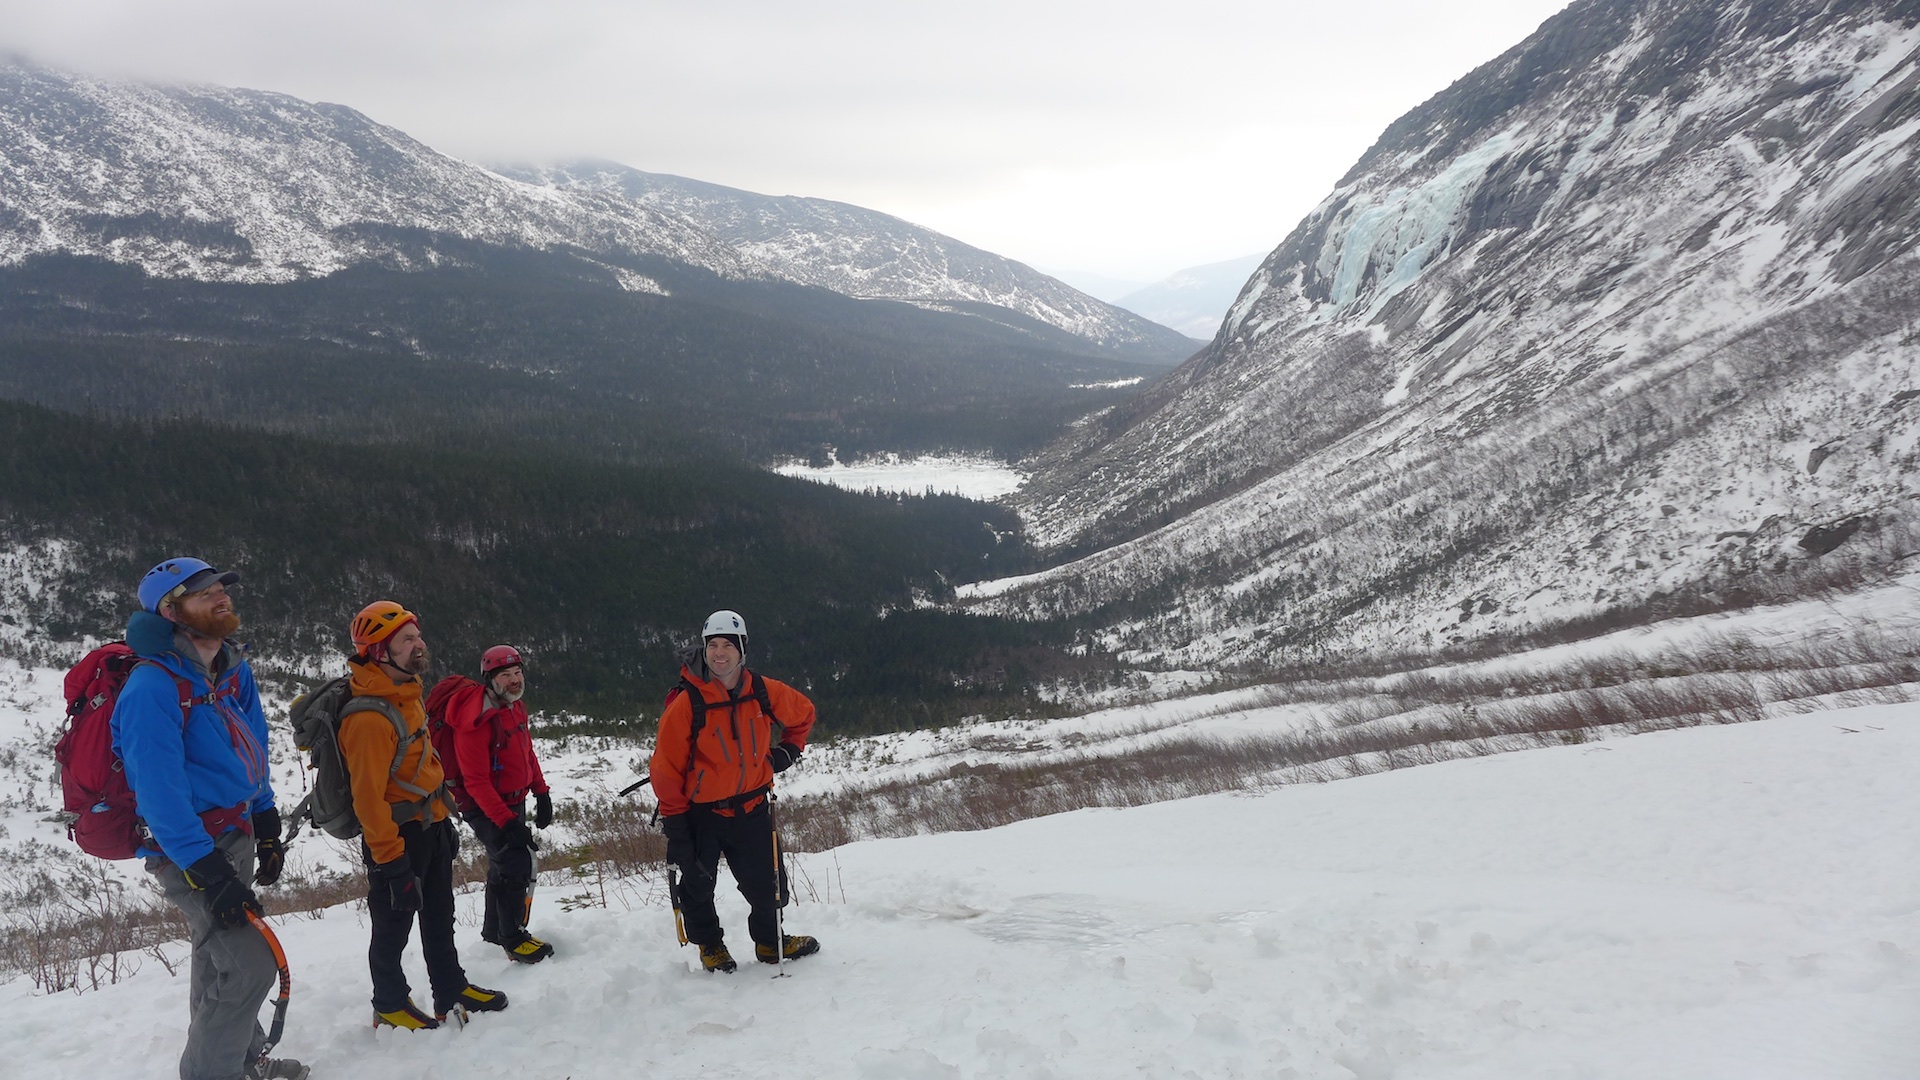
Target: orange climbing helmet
{"type": "Point", "coordinates": [376, 623]}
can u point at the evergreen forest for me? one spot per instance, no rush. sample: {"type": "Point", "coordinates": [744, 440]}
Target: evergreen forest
{"type": "Point", "coordinates": [492, 346]}
{"type": "Point", "coordinates": [598, 570]}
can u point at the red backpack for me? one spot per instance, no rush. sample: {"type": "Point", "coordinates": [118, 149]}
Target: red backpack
{"type": "Point", "coordinates": [93, 783]}
{"type": "Point", "coordinates": [442, 734]}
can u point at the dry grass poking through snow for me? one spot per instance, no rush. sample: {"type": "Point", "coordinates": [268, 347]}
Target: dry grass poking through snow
{"type": "Point", "coordinates": [1362, 723]}
{"type": "Point", "coordinates": [68, 925]}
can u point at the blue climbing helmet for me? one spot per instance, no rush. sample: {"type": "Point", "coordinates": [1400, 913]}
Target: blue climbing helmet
{"type": "Point", "coordinates": [177, 577]}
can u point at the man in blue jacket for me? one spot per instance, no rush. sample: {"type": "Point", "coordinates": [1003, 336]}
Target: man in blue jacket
{"type": "Point", "coordinates": [190, 731]}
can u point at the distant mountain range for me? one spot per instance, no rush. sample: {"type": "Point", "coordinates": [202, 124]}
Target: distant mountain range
{"type": "Point", "coordinates": [220, 184]}
{"type": "Point", "coordinates": [201, 250]}
{"type": "Point", "coordinates": [862, 253]}
{"type": "Point", "coordinates": [1195, 300]}
{"type": "Point", "coordinates": [1621, 322]}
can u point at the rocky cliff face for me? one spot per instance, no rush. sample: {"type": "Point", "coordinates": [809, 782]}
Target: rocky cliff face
{"type": "Point", "coordinates": [1625, 314]}
{"type": "Point", "coordinates": [864, 253]}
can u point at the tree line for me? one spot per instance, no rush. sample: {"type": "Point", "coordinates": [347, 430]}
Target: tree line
{"type": "Point", "coordinates": [597, 569]}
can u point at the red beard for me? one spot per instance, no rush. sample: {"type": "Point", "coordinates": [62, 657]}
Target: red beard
{"type": "Point", "coordinates": [214, 625]}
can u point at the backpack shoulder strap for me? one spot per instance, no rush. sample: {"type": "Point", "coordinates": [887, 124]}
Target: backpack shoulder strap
{"type": "Point", "coordinates": [760, 695]}
{"type": "Point", "coordinates": [418, 806]}
{"type": "Point", "coordinates": [183, 689]}
{"type": "Point", "coordinates": [405, 739]}
{"type": "Point", "coordinates": [697, 702]}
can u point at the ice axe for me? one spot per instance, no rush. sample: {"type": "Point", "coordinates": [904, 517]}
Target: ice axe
{"type": "Point", "coordinates": [779, 895]}
{"type": "Point", "coordinates": [286, 984]}
{"type": "Point", "coordinates": [673, 896]}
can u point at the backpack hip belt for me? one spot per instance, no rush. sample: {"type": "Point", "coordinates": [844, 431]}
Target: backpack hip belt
{"type": "Point", "coordinates": [737, 802]}
{"type": "Point", "coordinates": [221, 818]}
{"type": "Point", "coordinates": [422, 808]}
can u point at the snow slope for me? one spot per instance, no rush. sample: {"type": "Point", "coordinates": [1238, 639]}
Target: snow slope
{"type": "Point", "coordinates": [1737, 902]}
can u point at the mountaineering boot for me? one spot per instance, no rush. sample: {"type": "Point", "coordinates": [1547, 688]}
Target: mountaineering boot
{"type": "Point", "coordinates": [407, 1016]}
{"type": "Point", "coordinates": [530, 951]}
{"type": "Point", "coordinates": [798, 945]}
{"type": "Point", "coordinates": [717, 958]}
{"type": "Point", "coordinates": [278, 1069]}
{"type": "Point", "coordinates": [472, 1000]}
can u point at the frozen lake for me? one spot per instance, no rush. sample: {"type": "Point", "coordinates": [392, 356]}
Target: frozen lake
{"type": "Point", "coordinates": [974, 477]}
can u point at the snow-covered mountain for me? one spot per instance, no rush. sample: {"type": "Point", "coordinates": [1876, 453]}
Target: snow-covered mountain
{"type": "Point", "coordinates": [1195, 300]}
{"type": "Point", "coordinates": [864, 253]}
{"type": "Point", "coordinates": [232, 185]}
{"type": "Point", "coordinates": [223, 184]}
{"type": "Point", "coordinates": [1625, 314]}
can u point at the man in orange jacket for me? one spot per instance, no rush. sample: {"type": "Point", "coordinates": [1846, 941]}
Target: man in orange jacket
{"type": "Point", "coordinates": [725, 733]}
{"type": "Point", "coordinates": [407, 838]}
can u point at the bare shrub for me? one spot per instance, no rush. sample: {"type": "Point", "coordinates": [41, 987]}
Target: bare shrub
{"type": "Point", "coordinates": [617, 833]}
{"type": "Point", "coordinates": [313, 891]}
{"type": "Point", "coordinates": [71, 925]}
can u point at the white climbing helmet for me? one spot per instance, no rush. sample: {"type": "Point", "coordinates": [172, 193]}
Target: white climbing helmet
{"type": "Point", "coordinates": [728, 623]}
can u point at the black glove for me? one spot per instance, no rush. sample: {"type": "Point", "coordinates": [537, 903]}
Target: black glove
{"type": "Point", "coordinates": [680, 850]}
{"type": "Point", "coordinates": [227, 899]}
{"type": "Point", "coordinates": [515, 834]}
{"type": "Point", "coordinates": [270, 856]}
{"type": "Point", "coordinates": [266, 824]}
{"type": "Point", "coordinates": [542, 810]}
{"type": "Point", "coordinates": [403, 888]}
{"type": "Point", "coordinates": [783, 756]}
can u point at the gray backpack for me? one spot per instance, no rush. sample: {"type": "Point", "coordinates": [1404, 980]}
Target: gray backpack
{"type": "Point", "coordinates": [316, 716]}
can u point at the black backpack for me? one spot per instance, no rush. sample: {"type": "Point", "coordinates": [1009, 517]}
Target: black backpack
{"type": "Point", "coordinates": [316, 716]}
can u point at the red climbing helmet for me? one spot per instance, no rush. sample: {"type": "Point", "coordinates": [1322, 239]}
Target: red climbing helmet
{"type": "Point", "coordinates": [500, 656]}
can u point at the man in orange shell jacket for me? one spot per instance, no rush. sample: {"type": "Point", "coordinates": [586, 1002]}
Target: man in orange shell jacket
{"type": "Point", "coordinates": [498, 770]}
{"type": "Point", "coordinates": [407, 839]}
{"type": "Point", "coordinates": [713, 789]}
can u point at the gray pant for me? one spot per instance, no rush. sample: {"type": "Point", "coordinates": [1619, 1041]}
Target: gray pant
{"type": "Point", "coordinates": [232, 973]}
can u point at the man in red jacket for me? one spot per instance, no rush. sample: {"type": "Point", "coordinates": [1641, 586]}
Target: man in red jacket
{"type": "Point", "coordinates": [498, 770]}
{"type": "Point", "coordinates": [725, 732]}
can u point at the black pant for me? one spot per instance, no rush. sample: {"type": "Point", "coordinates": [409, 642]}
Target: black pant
{"type": "Point", "coordinates": [747, 842]}
{"type": "Point", "coordinates": [509, 880]}
{"type": "Point", "coordinates": [430, 849]}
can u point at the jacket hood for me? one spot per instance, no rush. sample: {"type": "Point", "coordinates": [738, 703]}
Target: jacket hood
{"type": "Point", "coordinates": [693, 662]}
{"type": "Point", "coordinates": [150, 635]}
{"type": "Point", "coordinates": [158, 638]}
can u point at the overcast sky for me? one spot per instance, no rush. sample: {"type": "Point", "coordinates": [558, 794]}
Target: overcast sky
{"type": "Point", "coordinates": [1117, 138]}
